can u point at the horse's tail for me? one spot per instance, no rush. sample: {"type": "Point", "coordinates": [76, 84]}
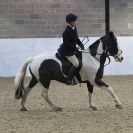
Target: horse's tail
{"type": "Point", "coordinates": [19, 79]}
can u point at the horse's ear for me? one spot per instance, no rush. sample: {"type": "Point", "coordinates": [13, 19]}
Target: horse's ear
{"type": "Point", "coordinates": [111, 34]}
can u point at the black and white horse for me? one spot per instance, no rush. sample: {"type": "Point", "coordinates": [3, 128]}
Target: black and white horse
{"type": "Point", "coordinates": [46, 67]}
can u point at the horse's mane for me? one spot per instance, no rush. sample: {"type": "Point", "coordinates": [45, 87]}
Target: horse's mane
{"type": "Point", "coordinates": [93, 47]}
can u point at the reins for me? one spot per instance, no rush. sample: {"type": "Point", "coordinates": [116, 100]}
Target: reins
{"type": "Point", "coordinates": [108, 59]}
{"type": "Point", "coordinates": [84, 39]}
{"type": "Point", "coordinates": [107, 56]}
{"type": "Point", "coordinates": [106, 52]}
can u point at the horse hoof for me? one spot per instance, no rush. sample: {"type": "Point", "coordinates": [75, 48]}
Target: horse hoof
{"type": "Point", "coordinates": [23, 109]}
{"type": "Point", "coordinates": [94, 107]}
{"type": "Point", "coordinates": [57, 109]}
{"type": "Point", "coordinates": [119, 106]}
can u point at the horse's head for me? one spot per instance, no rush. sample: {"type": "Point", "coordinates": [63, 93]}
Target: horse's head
{"type": "Point", "coordinates": [112, 47]}
{"type": "Point", "coordinates": [106, 46]}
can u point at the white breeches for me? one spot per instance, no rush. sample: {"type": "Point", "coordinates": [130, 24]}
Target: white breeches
{"type": "Point", "coordinates": [73, 59]}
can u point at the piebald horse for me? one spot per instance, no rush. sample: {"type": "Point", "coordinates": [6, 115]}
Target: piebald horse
{"type": "Point", "coordinates": [46, 67]}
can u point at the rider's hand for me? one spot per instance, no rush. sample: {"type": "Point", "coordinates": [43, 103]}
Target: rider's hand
{"type": "Point", "coordinates": [82, 47]}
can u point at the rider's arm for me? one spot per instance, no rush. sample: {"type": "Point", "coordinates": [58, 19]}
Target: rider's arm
{"type": "Point", "coordinates": [80, 44]}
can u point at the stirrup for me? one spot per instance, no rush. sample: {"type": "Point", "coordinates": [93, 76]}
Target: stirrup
{"type": "Point", "coordinates": [71, 82]}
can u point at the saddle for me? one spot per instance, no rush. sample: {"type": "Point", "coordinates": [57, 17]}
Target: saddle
{"type": "Point", "coordinates": [66, 64]}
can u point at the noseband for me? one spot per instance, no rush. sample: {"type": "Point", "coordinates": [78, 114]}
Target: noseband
{"type": "Point", "coordinates": [116, 56]}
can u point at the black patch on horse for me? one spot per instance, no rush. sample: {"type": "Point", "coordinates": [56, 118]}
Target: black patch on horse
{"type": "Point", "coordinates": [93, 48]}
{"type": "Point", "coordinates": [50, 70]}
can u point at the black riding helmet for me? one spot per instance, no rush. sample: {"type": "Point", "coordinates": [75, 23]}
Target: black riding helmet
{"type": "Point", "coordinates": [71, 17]}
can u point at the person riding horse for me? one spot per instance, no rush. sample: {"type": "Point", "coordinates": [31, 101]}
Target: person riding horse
{"type": "Point", "coordinates": [68, 47]}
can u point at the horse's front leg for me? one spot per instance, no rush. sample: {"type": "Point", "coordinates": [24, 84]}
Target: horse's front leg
{"type": "Point", "coordinates": [104, 86]}
{"type": "Point", "coordinates": [90, 91]}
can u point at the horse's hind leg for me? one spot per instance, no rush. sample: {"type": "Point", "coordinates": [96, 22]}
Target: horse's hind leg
{"type": "Point", "coordinates": [28, 88]}
{"type": "Point", "coordinates": [90, 91]}
{"type": "Point", "coordinates": [104, 86]}
{"type": "Point", "coordinates": [46, 84]}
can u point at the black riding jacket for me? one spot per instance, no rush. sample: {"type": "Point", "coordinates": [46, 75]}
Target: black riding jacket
{"type": "Point", "coordinates": [70, 39]}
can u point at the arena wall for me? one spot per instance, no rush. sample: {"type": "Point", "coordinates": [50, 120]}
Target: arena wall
{"type": "Point", "coordinates": [46, 18]}
{"type": "Point", "coordinates": [13, 52]}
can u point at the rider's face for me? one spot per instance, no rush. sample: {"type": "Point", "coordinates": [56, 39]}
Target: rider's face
{"type": "Point", "coordinates": [74, 23]}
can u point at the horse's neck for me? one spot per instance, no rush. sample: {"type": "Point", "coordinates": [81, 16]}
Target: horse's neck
{"type": "Point", "coordinates": [99, 51]}
{"type": "Point", "coordinates": [87, 58]}
{"type": "Point", "coordinates": [89, 66]}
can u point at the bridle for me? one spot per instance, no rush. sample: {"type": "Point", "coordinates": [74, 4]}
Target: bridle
{"type": "Point", "coordinates": [116, 56]}
{"type": "Point", "coordinates": [105, 53]}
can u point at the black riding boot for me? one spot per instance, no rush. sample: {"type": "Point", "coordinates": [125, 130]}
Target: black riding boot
{"type": "Point", "coordinates": [71, 74]}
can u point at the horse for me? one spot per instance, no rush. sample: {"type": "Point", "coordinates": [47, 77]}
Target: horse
{"type": "Point", "coordinates": [46, 67]}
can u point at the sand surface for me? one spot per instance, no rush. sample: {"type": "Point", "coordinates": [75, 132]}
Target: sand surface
{"type": "Point", "coordinates": [76, 116]}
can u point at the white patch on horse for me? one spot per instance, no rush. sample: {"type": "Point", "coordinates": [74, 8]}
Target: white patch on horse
{"type": "Point", "coordinates": [99, 50]}
{"type": "Point", "coordinates": [88, 72]}
{"type": "Point", "coordinates": [35, 65]}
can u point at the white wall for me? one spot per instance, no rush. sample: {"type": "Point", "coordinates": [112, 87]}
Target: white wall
{"type": "Point", "coordinates": [14, 51]}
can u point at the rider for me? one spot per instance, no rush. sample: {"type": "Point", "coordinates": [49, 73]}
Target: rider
{"type": "Point", "coordinates": [68, 47]}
